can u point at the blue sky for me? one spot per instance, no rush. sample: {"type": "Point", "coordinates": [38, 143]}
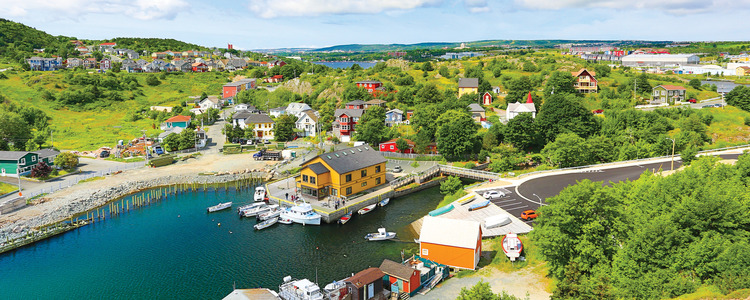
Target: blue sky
{"type": "Point", "coordinates": [256, 24]}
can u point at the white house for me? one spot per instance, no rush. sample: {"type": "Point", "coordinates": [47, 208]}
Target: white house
{"type": "Point", "coordinates": [276, 112]}
{"type": "Point", "coordinates": [307, 123]}
{"type": "Point", "coordinates": [296, 109]}
{"type": "Point", "coordinates": [517, 108]}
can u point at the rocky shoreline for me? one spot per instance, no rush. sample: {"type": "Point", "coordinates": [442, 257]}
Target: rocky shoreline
{"type": "Point", "coordinates": [59, 208]}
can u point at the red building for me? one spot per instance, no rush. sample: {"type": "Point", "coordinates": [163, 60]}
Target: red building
{"type": "Point", "coordinates": [400, 278]}
{"type": "Point", "coordinates": [390, 146]}
{"type": "Point", "coordinates": [585, 81]}
{"type": "Point", "coordinates": [231, 89]}
{"type": "Point", "coordinates": [275, 78]}
{"type": "Point", "coordinates": [409, 114]}
{"type": "Point", "coordinates": [276, 63]}
{"type": "Point", "coordinates": [487, 99]}
{"type": "Point", "coordinates": [372, 86]}
{"type": "Point", "coordinates": [200, 67]}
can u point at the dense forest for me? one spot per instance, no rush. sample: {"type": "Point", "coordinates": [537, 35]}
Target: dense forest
{"type": "Point", "coordinates": [656, 237]}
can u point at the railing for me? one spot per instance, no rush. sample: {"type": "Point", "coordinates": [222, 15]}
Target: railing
{"type": "Point", "coordinates": [52, 187]}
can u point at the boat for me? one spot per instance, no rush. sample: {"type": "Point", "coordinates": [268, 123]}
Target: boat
{"type": "Point", "coordinates": [466, 201]}
{"type": "Point", "coordinates": [249, 206]}
{"type": "Point", "coordinates": [285, 221]}
{"type": "Point", "coordinates": [302, 289]}
{"type": "Point", "coordinates": [496, 221]}
{"type": "Point", "coordinates": [219, 206]}
{"type": "Point", "coordinates": [441, 210]}
{"type": "Point", "coordinates": [385, 202]}
{"type": "Point", "coordinates": [381, 235]}
{"type": "Point", "coordinates": [479, 205]}
{"type": "Point", "coordinates": [273, 212]}
{"type": "Point", "coordinates": [260, 194]}
{"type": "Point", "coordinates": [512, 246]}
{"type": "Point", "coordinates": [256, 210]}
{"type": "Point", "coordinates": [266, 223]}
{"type": "Point", "coordinates": [366, 209]}
{"type": "Point", "coordinates": [336, 290]}
{"type": "Point", "coordinates": [301, 213]}
{"type": "Point", "coordinates": [346, 218]}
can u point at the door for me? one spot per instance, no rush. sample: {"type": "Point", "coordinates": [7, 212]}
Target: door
{"type": "Point", "coordinates": [371, 291]}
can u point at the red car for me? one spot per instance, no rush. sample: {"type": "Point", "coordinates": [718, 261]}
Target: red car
{"type": "Point", "coordinates": [528, 214]}
{"type": "Point", "coordinates": [692, 100]}
{"type": "Point", "coordinates": [598, 111]}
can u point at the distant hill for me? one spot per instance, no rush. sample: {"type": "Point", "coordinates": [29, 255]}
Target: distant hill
{"type": "Point", "coordinates": [18, 41]}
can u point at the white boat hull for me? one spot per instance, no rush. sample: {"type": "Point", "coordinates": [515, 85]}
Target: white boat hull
{"type": "Point", "coordinates": [302, 220]}
{"type": "Point", "coordinates": [366, 209]}
{"type": "Point", "coordinates": [380, 237]}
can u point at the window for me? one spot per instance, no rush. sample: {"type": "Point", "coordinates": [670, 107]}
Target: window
{"type": "Point", "coordinates": [344, 127]}
{"type": "Point", "coordinates": [377, 169]}
{"type": "Point", "coordinates": [344, 120]}
{"type": "Point", "coordinates": [334, 192]}
{"type": "Point", "coordinates": [23, 161]}
{"type": "Point", "coordinates": [349, 190]}
{"type": "Point", "coordinates": [304, 178]}
{"type": "Point", "coordinates": [312, 179]}
{"type": "Point", "coordinates": [393, 148]}
{"type": "Point", "coordinates": [364, 183]}
{"type": "Point", "coordinates": [348, 177]}
{"type": "Point", "coordinates": [377, 181]}
{"type": "Point", "coordinates": [425, 252]}
{"type": "Point", "coordinates": [33, 159]}
{"type": "Point", "coordinates": [363, 172]}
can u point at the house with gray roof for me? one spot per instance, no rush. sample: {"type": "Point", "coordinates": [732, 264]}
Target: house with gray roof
{"type": "Point", "coordinates": [342, 174]}
{"type": "Point", "coordinates": [307, 123]}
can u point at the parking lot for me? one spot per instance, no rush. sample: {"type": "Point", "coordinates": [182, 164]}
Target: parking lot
{"type": "Point", "coordinates": [511, 202]}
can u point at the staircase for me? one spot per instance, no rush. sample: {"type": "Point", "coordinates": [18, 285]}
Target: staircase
{"type": "Point", "coordinates": [403, 296]}
{"type": "Point", "coordinates": [433, 281]}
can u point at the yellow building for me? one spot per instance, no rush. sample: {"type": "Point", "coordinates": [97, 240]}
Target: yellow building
{"type": "Point", "coordinates": [341, 173]}
{"type": "Point", "coordinates": [743, 71]}
{"type": "Point", "coordinates": [467, 86]}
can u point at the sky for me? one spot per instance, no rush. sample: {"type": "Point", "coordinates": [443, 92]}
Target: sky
{"type": "Point", "coordinates": [266, 24]}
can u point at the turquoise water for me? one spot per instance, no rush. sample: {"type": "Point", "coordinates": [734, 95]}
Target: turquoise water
{"type": "Point", "coordinates": [346, 64]}
{"type": "Point", "coordinates": [175, 249]}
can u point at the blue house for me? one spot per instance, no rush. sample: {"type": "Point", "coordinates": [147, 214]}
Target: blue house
{"type": "Point", "coordinates": [44, 64]}
{"type": "Point", "coordinates": [176, 121]}
{"type": "Point", "coordinates": [393, 116]}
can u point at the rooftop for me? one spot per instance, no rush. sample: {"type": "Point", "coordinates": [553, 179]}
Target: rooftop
{"type": "Point", "coordinates": [365, 277]}
{"type": "Point", "coordinates": [351, 159]}
{"type": "Point", "coordinates": [179, 119]}
{"type": "Point", "coordinates": [395, 269]}
{"type": "Point", "coordinates": [468, 82]}
{"type": "Point", "coordinates": [12, 155]}
{"type": "Point", "coordinates": [450, 232]}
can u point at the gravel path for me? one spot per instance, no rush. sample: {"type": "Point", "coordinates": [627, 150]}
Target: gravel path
{"type": "Point", "coordinates": [521, 284]}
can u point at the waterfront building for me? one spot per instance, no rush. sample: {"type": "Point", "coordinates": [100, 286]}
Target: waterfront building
{"type": "Point", "coordinates": [366, 284]}
{"type": "Point", "coordinates": [341, 173]}
{"type": "Point", "coordinates": [451, 242]}
{"type": "Point", "coordinates": [400, 278]}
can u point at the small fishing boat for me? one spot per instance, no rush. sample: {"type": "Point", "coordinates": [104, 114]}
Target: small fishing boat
{"type": "Point", "coordinates": [345, 218]}
{"type": "Point", "coordinates": [248, 206]}
{"type": "Point", "coordinates": [441, 210]}
{"type": "Point", "coordinates": [303, 289]}
{"type": "Point", "coordinates": [285, 221]}
{"type": "Point", "coordinates": [219, 206]}
{"type": "Point", "coordinates": [266, 223]}
{"type": "Point", "coordinates": [381, 235]}
{"type": "Point", "coordinates": [385, 202]}
{"type": "Point", "coordinates": [479, 205]}
{"type": "Point", "coordinates": [512, 246]}
{"type": "Point", "coordinates": [260, 194]}
{"type": "Point", "coordinates": [273, 212]}
{"type": "Point", "coordinates": [255, 211]}
{"type": "Point", "coordinates": [366, 209]}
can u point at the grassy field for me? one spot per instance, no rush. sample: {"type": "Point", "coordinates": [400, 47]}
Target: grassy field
{"type": "Point", "coordinates": [7, 188]}
{"type": "Point", "coordinates": [89, 130]}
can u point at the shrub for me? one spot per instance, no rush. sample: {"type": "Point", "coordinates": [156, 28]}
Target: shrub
{"type": "Point", "coordinates": [40, 170]}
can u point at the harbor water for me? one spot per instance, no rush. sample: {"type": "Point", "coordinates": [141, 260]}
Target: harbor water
{"type": "Point", "coordinates": [175, 249]}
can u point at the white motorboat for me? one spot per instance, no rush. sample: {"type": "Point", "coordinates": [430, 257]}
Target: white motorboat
{"type": "Point", "coordinates": [266, 223]}
{"type": "Point", "coordinates": [385, 202]}
{"type": "Point", "coordinates": [273, 212]}
{"type": "Point", "coordinates": [219, 206]}
{"type": "Point", "coordinates": [285, 221]}
{"type": "Point", "coordinates": [249, 206]}
{"type": "Point", "coordinates": [256, 210]}
{"type": "Point", "coordinates": [512, 246]}
{"type": "Point", "coordinates": [302, 289]}
{"type": "Point", "coordinates": [496, 221]}
{"type": "Point", "coordinates": [301, 213]}
{"type": "Point", "coordinates": [367, 209]}
{"type": "Point", "coordinates": [381, 235]}
{"type": "Point", "coordinates": [260, 194]}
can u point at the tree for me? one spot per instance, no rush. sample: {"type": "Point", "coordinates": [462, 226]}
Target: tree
{"type": "Point", "coordinates": [739, 97]}
{"type": "Point", "coordinates": [602, 70]}
{"type": "Point", "coordinates": [424, 119]}
{"type": "Point", "coordinates": [450, 185]}
{"type": "Point", "coordinates": [689, 155]}
{"type": "Point", "coordinates": [560, 83]}
{"type": "Point", "coordinates": [457, 135]}
{"type": "Point", "coordinates": [564, 113]}
{"type": "Point", "coordinates": [172, 142]}
{"type": "Point", "coordinates": [372, 129]}
{"type": "Point", "coordinates": [401, 144]}
{"type": "Point", "coordinates": [695, 83]}
{"type": "Point", "coordinates": [518, 88]}
{"type": "Point", "coordinates": [40, 170]}
{"type": "Point", "coordinates": [14, 130]}
{"type": "Point", "coordinates": [521, 131]}
{"type": "Point", "coordinates": [568, 150]}
{"type": "Point", "coordinates": [443, 71]}
{"type": "Point", "coordinates": [116, 66]}
{"type": "Point", "coordinates": [152, 80]}
{"type": "Point", "coordinates": [427, 66]}
{"type": "Point", "coordinates": [353, 92]}
{"type": "Point", "coordinates": [482, 291]}
{"type": "Point", "coordinates": [187, 139]}
{"type": "Point", "coordinates": [642, 84]}
{"type": "Point", "coordinates": [66, 160]}
{"type": "Point", "coordinates": [284, 129]}
{"type": "Point", "coordinates": [429, 94]}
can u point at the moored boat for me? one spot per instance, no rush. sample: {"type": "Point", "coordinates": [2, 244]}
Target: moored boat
{"type": "Point", "coordinates": [219, 206]}
{"type": "Point", "coordinates": [512, 246]}
{"type": "Point", "coordinates": [256, 210]}
{"type": "Point", "coordinates": [274, 211]}
{"type": "Point", "coordinates": [441, 210]}
{"type": "Point", "coordinates": [260, 194]}
{"type": "Point", "coordinates": [248, 206]}
{"type": "Point", "coordinates": [336, 290]}
{"type": "Point", "coordinates": [385, 202]}
{"type": "Point", "coordinates": [366, 209]}
{"type": "Point", "coordinates": [266, 223]}
{"type": "Point", "coordinates": [301, 213]}
{"type": "Point", "coordinates": [345, 218]}
{"type": "Point", "coordinates": [381, 235]}
{"type": "Point", "coordinates": [285, 221]}
{"type": "Point", "coordinates": [302, 289]}
{"type": "Point", "coordinates": [479, 205]}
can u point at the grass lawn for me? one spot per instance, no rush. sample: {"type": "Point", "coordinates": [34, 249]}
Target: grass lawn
{"type": "Point", "coordinates": [448, 199]}
{"type": "Point", "coordinates": [7, 188]}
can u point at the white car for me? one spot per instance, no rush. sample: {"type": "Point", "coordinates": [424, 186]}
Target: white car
{"type": "Point", "coordinates": [493, 194]}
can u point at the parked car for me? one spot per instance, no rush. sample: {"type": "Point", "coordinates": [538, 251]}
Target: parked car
{"type": "Point", "coordinates": [692, 100]}
{"type": "Point", "coordinates": [719, 105]}
{"type": "Point", "coordinates": [493, 194]}
{"type": "Point", "coordinates": [397, 169]}
{"type": "Point", "coordinates": [158, 150]}
{"type": "Point", "coordinates": [528, 214]}
{"type": "Point", "coordinates": [707, 106]}
{"type": "Point", "coordinates": [104, 154]}
{"type": "Point", "coordinates": [598, 111]}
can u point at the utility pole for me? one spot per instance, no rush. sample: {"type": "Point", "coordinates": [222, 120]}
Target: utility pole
{"type": "Point", "coordinates": [673, 142]}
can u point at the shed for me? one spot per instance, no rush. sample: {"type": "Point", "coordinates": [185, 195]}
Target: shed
{"type": "Point", "coordinates": [367, 284]}
{"type": "Point", "coordinates": [400, 278]}
{"type": "Point", "coordinates": [455, 243]}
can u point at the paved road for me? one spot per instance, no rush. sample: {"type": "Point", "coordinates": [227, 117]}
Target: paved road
{"type": "Point", "coordinates": [698, 105]}
{"type": "Point", "coordinates": [550, 186]}
{"type": "Point", "coordinates": [512, 203]}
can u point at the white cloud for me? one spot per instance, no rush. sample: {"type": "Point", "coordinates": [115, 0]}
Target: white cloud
{"type": "Point", "coordinates": [476, 6]}
{"type": "Point", "coordinates": [296, 8]}
{"type": "Point", "coordinates": [675, 7]}
{"type": "Point", "coordinates": [139, 9]}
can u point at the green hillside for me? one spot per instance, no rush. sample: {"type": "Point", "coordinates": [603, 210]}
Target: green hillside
{"type": "Point", "coordinates": [152, 44]}
{"type": "Point", "coordinates": [18, 41]}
